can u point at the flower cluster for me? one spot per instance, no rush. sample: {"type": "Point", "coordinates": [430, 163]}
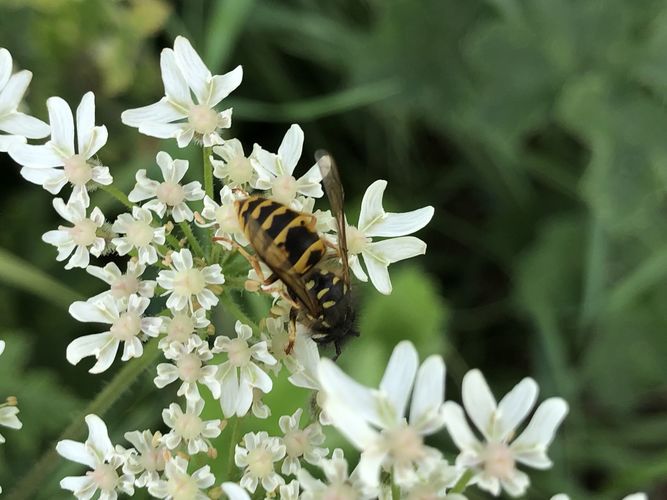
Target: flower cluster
{"type": "Point", "coordinates": [182, 243]}
{"type": "Point", "coordinates": [8, 409]}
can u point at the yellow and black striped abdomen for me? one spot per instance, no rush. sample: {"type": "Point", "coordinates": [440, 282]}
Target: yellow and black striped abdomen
{"type": "Point", "coordinates": [270, 225]}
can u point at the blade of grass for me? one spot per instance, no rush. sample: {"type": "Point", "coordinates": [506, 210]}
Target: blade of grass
{"type": "Point", "coordinates": [224, 28]}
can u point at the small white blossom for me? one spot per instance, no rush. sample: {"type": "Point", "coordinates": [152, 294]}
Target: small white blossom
{"type": "Point", "coordinates": [274, 171]}
{"type": "Point", "coordinates": [8, 413]}
{"type": "Point", "coordinates": [378, 255]}
{"type": "Point", "coordinates": [149, 460]}
{"type": "Point", "coordinates": [257, 456]}
{"type": "Point", "coordinates": [122, 285]}
{"type": "Point", "coordinates": [300, 443]}
{"type": "Point", "coordinates": [495, 458]}
{"type": "Point", "coordinates": [169, 193]}
{"type": "Point", "coordinates": [183, 282]}
{"type": "Point", "coordinates": [180, 327]}
{"type": "Point", "coordinates": [18, 126]}
{"type": "Point", "coordinates": [189, 365]}
{"type": "Point", "coordinates": [176, 115]}
{"type": "Point", "coordinates": [179, 485]}
{"type": "Point", "coordinates": [434, 479]}
{"type": "Point", "coordinates": [235, 168]}
{"type": "Point", "coordinates": [339, 484]}
{"type": "Point", "coordinates": [224, 216]}
{"type": "Point", "coordinates": [189, 428]}
{"type": "Point", "coordinates": [81, 238]}
{"type": "Point", "coordinates": [290, 491]}
{"type": "Point", "coordinates": [374, 422]}
{"type": "Point", "coordinates": [61, 160]}
{"type": "Point", "coordinates": [98, 454]}
{"type": "Point", "coordinates": [139, 234]}
{"type": "Point", "coordinates": [126, 326]}
{"type": "Point", "coordinates": [239, 374]}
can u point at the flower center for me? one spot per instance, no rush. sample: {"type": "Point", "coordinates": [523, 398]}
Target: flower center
{"type": "Point", "coordinates": [498, 460]}
{"type": "Point", "coordinates": [239, 170]}
{"type": "Point", "coordinates": [296, 443]}
{"type": "Point", "coordinates": [140, 233]}
{"type": "Point", "coordinates": [189, 367]}
{"type": "Point", "coordinates": [153, 460]}
{"type": "Point", "coordinates": [126, 327]}
{"type": "Point", "coordinates": [182, 487]}
{"type": "Point", "coordinates": [104, 476]}
{"type": "Point", "coordinates": [77, 170]}
{"type": "Point", "coordinates": [238, 352]}
{"type": "Point", "coordinates": [423, 493]}
{"type": "Point", "coordinates": [203, 119]}
{"type": "Point", "coordinates": [170, 193]}
{"type": "Point", "coordinates": [189, 282]}
{"type": "Point", "coordinates": [84, 232]}
{"type": "Point", "coordinates": [124, 286]}
{"type": "Point", "coordinates": [405, 444]}
{"type": "Point", "coordinates": [188, 426]}
{"type": "Point", "coordinates": [180, 327]}
{"type": "Point", "coordinates": [260, 463]}
{"type": "Point", "coordinates": [339, 492]}
{"type": "Point", "coordinates": [227, 219]}
{"type": "Point", "coordinates": [284, 189]}
{"type": "Point", "coordinates": [356, 240]}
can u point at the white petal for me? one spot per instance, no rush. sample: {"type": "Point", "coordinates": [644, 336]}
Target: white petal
{"type": "Point", "coordinates": [309, 183]}
{"type": "Point", "coordinates": [6, 66]}
{"type": "Point", "coordinates": [393, 224]}
{"type": "Point", "coordinates": [516, 484]}
{"type": "Point", "coordinates": [106, 357]}
{"type": "Point", "coordinates": [234, 491]}
{"type": "Point", "coordinates": [85, 121]}
{"type": "Point", "coordinates": [290, 149]}
{"type": "Point", "coordinates": [12, 93]}
{"type": "Point", "coordinates": [349, 423]}
{"type": "Point", "coordinates": [428, 395]}
{"type": "Point", "coordinates": [175, 86]}
{"type": "Point", "coordinates": [396, 249]}
{"type": "Point", "coordinates": [88, 345]}
{"type": "Point", "coordinates": [379, 274]}
{"type": "Point", "coordinates": [542, 427]}
{"type": "Point", "coordinates": [162, 130]}
{"type": "Point", "coordinates": [98, 436]}
{"type": "Point", "coordinates": [223, 85]}
{"type": "Point", "coordinates": [193, 68]}
{"type": "Point", "coordinates": [371, 205]}
{"type": "Point", "coordinates": [458, 428]}
{"type": "Point", "coordinates": [159, 112]}
{"type": "Point", "coordinates": [42, 156]}
{"type": "Point", "coordinates": [25, 125]}
{"type": "Point", "coordinates": [88, 312]}
{"type": "Point", "coordinates": [75, 452]}
{"type": "Point", "coordinates": [399, 376]}
{"type": "Point", "coordinates": [515, 407]}
{"type": "Point", "coordinates": [479, 402]}
{"type": "Point", "coordinates": [7, 142]}
{"type": "Point", "coordinates": [62, 125]}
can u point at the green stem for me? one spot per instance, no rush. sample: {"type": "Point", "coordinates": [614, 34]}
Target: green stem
{"type": "Point", "coordinates": [208, 172]}
{"type": "Point", "coordinates": [233, 441]}
{"type": "Point", "coordinates": [230, 305]}
{"type": "Point", "coordinates": [461, 484]}
{"type": "Point", "coordinates": [118, 194]}
{"type": "Point", "coordinates": [128, 374]}
{"type": "Point", "coordinates": [194, 243]}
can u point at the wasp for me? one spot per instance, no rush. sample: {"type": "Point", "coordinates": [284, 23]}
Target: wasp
{"type": "Point", "coordinates": [287, 241]}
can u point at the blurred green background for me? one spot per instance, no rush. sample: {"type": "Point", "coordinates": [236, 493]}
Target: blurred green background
{"type": "Point", "coordinates": [537, 128]}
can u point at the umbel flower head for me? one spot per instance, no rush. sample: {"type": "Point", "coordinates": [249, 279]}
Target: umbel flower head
{"type": "Point", "coordinates": [18, 126]}
{"type": "Point", "coordinates": [494, 459]}
{"type": "Point", "coordinates": [177, 115]}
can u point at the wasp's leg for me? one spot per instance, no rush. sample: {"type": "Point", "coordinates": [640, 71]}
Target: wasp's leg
{"type": "Point", "coordinates": [252, 260]}
{"type": "Point", "coordinates": [291, 330]}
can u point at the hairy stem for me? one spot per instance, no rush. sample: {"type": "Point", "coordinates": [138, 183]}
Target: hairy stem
{"type": "Point", "coordinates": [231, 306]}
{"type": "Point", "coordinates": [194, 242]}
{"type": "Point", "coordinates": [462, 483]}
{"type": "Point", "coordinates": [118, 194]}
{"type": "Point", "coordinates": [208, 172]}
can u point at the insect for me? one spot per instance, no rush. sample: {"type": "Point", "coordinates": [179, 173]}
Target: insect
{"type": "Point", "coordinates": [287, 241]}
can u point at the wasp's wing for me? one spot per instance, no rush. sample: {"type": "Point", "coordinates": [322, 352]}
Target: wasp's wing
{"type": "Point", "coordinates": [334, 189]}
{"type": "Point", "coordinates": [276, 258]}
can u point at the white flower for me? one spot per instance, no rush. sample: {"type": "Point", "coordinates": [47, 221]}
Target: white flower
{"type": "Point", "coordinates": [81, 238]}
{"type": "Point", "coordinates": [225, 217]}
{"type": "Point", "coordinates": [139, 234]}
{"type": "Point", "coordinates": [290, 491]}
{"type": "Point", "coordinates": [495, 458]}
{"type": "Point", "coordinates": [189, 366]}
{"type": "Point", "coordinates": [181, 326]}
{"type": "Point", "coordinates": [126, 326]}
{"type": "Point", "coordinates": [634, 496]}
{"type": "Point", "coordinates": [234, 491]}
{"type": "Point", "coordinates": [189, 428]}
{"type": "Point", "coordinates": [275, 171]}
{"type": "Point", "coordinates": [122, 285]}
{"type": "Point", "coordinates": [300, 443]}
{"type": "Point", "coordinates": [374, 221]}
{"type": "Point", "coordinates": [373, 420]}
{"type": "Point", "coordinates": [434, 479]}
{"type": "Point", "coordinates": [339, 484]}
{"type": "Point", "coordinates": [257, 456]}
{"type": "Point", "coordinates": [59, 161]}
{"type": "Point", "coordinates": [179, 485]}
{"type": "Point", "coordinates": [8, 413]}
{"type": "Point", "coordinates": [17, 125]}
{"type": "Point", "coordinates": [170, 193]}
{"type": "Point", "coordinates": [176, 115]}
{"type": "Point", "coordinates": [234, 169]}
{"type": "Point", "coordinates": [98, 454]}
{"type": "Point", "coordinates": [183, 282]}
{"type": "Point", "coordinates": [239, 374]}
{"type": "Point", "coordinates": [149, 460]}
